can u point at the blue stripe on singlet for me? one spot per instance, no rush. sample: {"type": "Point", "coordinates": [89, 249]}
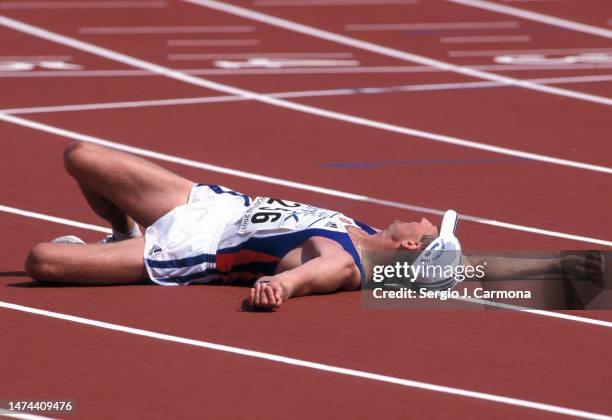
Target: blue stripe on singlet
{"type": "Point", "coordinates": [230, 250]}
{"type": "Point", "coordinates": [218, 190]}
{"type": "Point", "coordinates": [182, 262]}
{"type": "Point", "coordinates": [280, 245]}
{"type": "Point", "coordinates": [365, 227]}
{"type": "Point", "coordinates": [189, 277]}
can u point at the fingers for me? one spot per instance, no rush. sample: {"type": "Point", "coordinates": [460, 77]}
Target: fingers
{"type": "Point", "coordinates": [254, 295]}
{"type": "Point", "coordinates": [593, 261]}
{"type": "Point", "coordinates": [269, 293]}
{"type": "Point", "coordinates": [265, 295]}
{"type": "Point", "coordinates": [582, 265]}
{"type": "Point", "coordinates": [278, 294]}
{"type": "Point", "coordinates": [260, 294]}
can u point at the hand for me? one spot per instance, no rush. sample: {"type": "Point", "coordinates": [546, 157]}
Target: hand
{"type": "Point", "coordinates": [582, 265]}
{"type": "Point", "coordinates": [267, 293]}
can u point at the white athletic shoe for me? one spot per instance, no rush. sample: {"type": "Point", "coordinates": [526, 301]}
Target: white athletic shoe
{"type": "Point", "coordinates": [108, 240]}
{"type": "Point", "coordinates": [111, 239]}
{"type": "Point", "coordinates": [69, 239]}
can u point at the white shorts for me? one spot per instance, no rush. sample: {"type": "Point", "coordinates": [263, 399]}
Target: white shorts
{"type": "Point", "coordinates": [181, 246]}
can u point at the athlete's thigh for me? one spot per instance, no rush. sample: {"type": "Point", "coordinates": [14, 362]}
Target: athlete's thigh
{"type": "Point", "coordinates": [149, 190]}
{"type": "Point", "coordinates": [114, 263]}
{"type": "Point", "coordinates": [139, 187]}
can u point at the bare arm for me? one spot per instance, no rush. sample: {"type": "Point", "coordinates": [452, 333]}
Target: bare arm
{"type": "Point", "coordinates": [525, 265]}
{"type": "Point", "coordinates": [328, 269]}
{"type": "Point", "coordinates": [512, 266]}
{"type": "Point", "coordinates": [326, 273]}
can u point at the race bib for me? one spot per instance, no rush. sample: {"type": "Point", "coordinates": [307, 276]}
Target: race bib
{"type": "Point", "coordinates": [267, 213]}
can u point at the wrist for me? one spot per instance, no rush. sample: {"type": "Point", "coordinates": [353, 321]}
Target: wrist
{"type": "Point", "coordinates": [286, 284]}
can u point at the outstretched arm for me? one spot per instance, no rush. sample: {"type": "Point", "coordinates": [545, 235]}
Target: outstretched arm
{"type": "Point", "coordinates": [515, 265]}
{"type": "Point", "coordinates": [581, 279]}
{"type": "Point", "coordinates": [330, 270]}
{"type": "Point", "coordinates": [570, 265]}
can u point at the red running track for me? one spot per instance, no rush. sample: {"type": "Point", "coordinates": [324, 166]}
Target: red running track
{"type": "Point", "coordinates": [506, 353]}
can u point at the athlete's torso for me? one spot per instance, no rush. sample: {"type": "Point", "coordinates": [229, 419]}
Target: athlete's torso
{"type": "Point", "coordinates": [221, 234]}
{"type": "Point", "coordinates": [276, 235]}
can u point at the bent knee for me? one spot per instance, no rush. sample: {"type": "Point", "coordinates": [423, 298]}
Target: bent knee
{"type": "Point", "coordinates": [40, 262]}
{"type": "Point", "coordinates": [78, 156]}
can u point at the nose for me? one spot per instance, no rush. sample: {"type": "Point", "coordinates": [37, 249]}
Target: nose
{"type": "Point", "coordinates": [426, 222]}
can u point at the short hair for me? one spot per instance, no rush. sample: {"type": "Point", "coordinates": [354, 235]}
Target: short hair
{"type": "Point", "coordinates": [428, 239]}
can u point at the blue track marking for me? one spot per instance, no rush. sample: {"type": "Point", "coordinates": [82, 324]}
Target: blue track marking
{"type": "Point", "coordinates": [415, 162]}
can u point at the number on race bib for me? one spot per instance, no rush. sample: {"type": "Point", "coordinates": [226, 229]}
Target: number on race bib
{"type": "Point", "coordinates": [265, 217]}
{"type": "Point", "coordinates": [282, 203]}
{"type": "Point", "coordinates": [270, 213]}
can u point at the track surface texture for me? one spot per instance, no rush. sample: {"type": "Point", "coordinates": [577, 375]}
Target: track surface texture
{"type": "Point", "coordinates": [382, 109]}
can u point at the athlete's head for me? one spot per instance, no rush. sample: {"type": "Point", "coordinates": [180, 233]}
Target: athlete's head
{"type": "Point", "coordinates": [412, 235]}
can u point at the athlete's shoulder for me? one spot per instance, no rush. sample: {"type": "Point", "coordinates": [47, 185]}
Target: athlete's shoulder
{"type": "Point", "coordinates": [324, 245]}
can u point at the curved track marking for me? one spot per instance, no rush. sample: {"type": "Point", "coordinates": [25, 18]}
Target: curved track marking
{"type": "Point", "coordinates": [197, 81]}
{"type": "Point", "coordinates": [310, 365]}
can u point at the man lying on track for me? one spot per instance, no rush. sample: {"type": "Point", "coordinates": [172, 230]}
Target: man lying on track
{"type": "Point", "coordinates": [199, 232]}
{"type": "Point", "coordinates": [204, 233]}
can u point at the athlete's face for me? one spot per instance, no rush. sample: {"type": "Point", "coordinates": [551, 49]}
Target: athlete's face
{"type": "Point", "coordinates": [410, 235]}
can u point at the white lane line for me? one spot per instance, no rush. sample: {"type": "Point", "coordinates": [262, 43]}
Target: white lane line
{"type": "Point", "coordinates": [110, 30]}
{"type": "Point", "coordinates": [183, 77]}
{"type": "Point", "coordinates": [308, 364]}
{"type": "Point", "coordinates": [533, 1]}
{"type": "Point", "coordinates": [59, 220]}
{"type": "Point", "coordinates": [291, 71]}
{"type": "Point", "coordinates": [492, 53]}
{"type": "Point", "coordinates": [295, 94]}
{"type": "Point", "coordinates": [23, 416]}
{"type": "Point", "coordinates": [219, 56]}
{"type": "Point", "coordinates": [77, 73]}
{"type": "Point", "coordinates": [33, 5]}
{"type": "Point", "coordinates": [537, 17]}
{"type": "Point", "coordinates": [283, 182]}
{"type": "Point", "coordinates": [559, 315]}
{"type": "Point", "coordinates": [488, 39]}
{"type": "Point", "coordinates": [318, 3]}
{"type": "Point", "coordinates": [279, 63]}
{"type": "Point", "coordinates": [390, 52]}
{"type": "Point", "coordinates": [87, 226]}
{"type": "Point", "coordinates": [537, 59]}
{"type": "Point", "coordinates": [29, 58]}
{"type": "Point", "coordinates": [122, 105]}
{"type": "Point", "coordinates": [373, 27]}
{"type": "Point", "coordinates": [211, 42]}
{"type": "Point", "coordinates": [518, 67]}
{"type": "Point", "coordinates": [576, 79]}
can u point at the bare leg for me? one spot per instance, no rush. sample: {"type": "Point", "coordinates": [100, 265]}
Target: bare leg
{"type": "Point", "coordinates": [114, 263]}
{"type": "Point", "coordinates": [120, 187]}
